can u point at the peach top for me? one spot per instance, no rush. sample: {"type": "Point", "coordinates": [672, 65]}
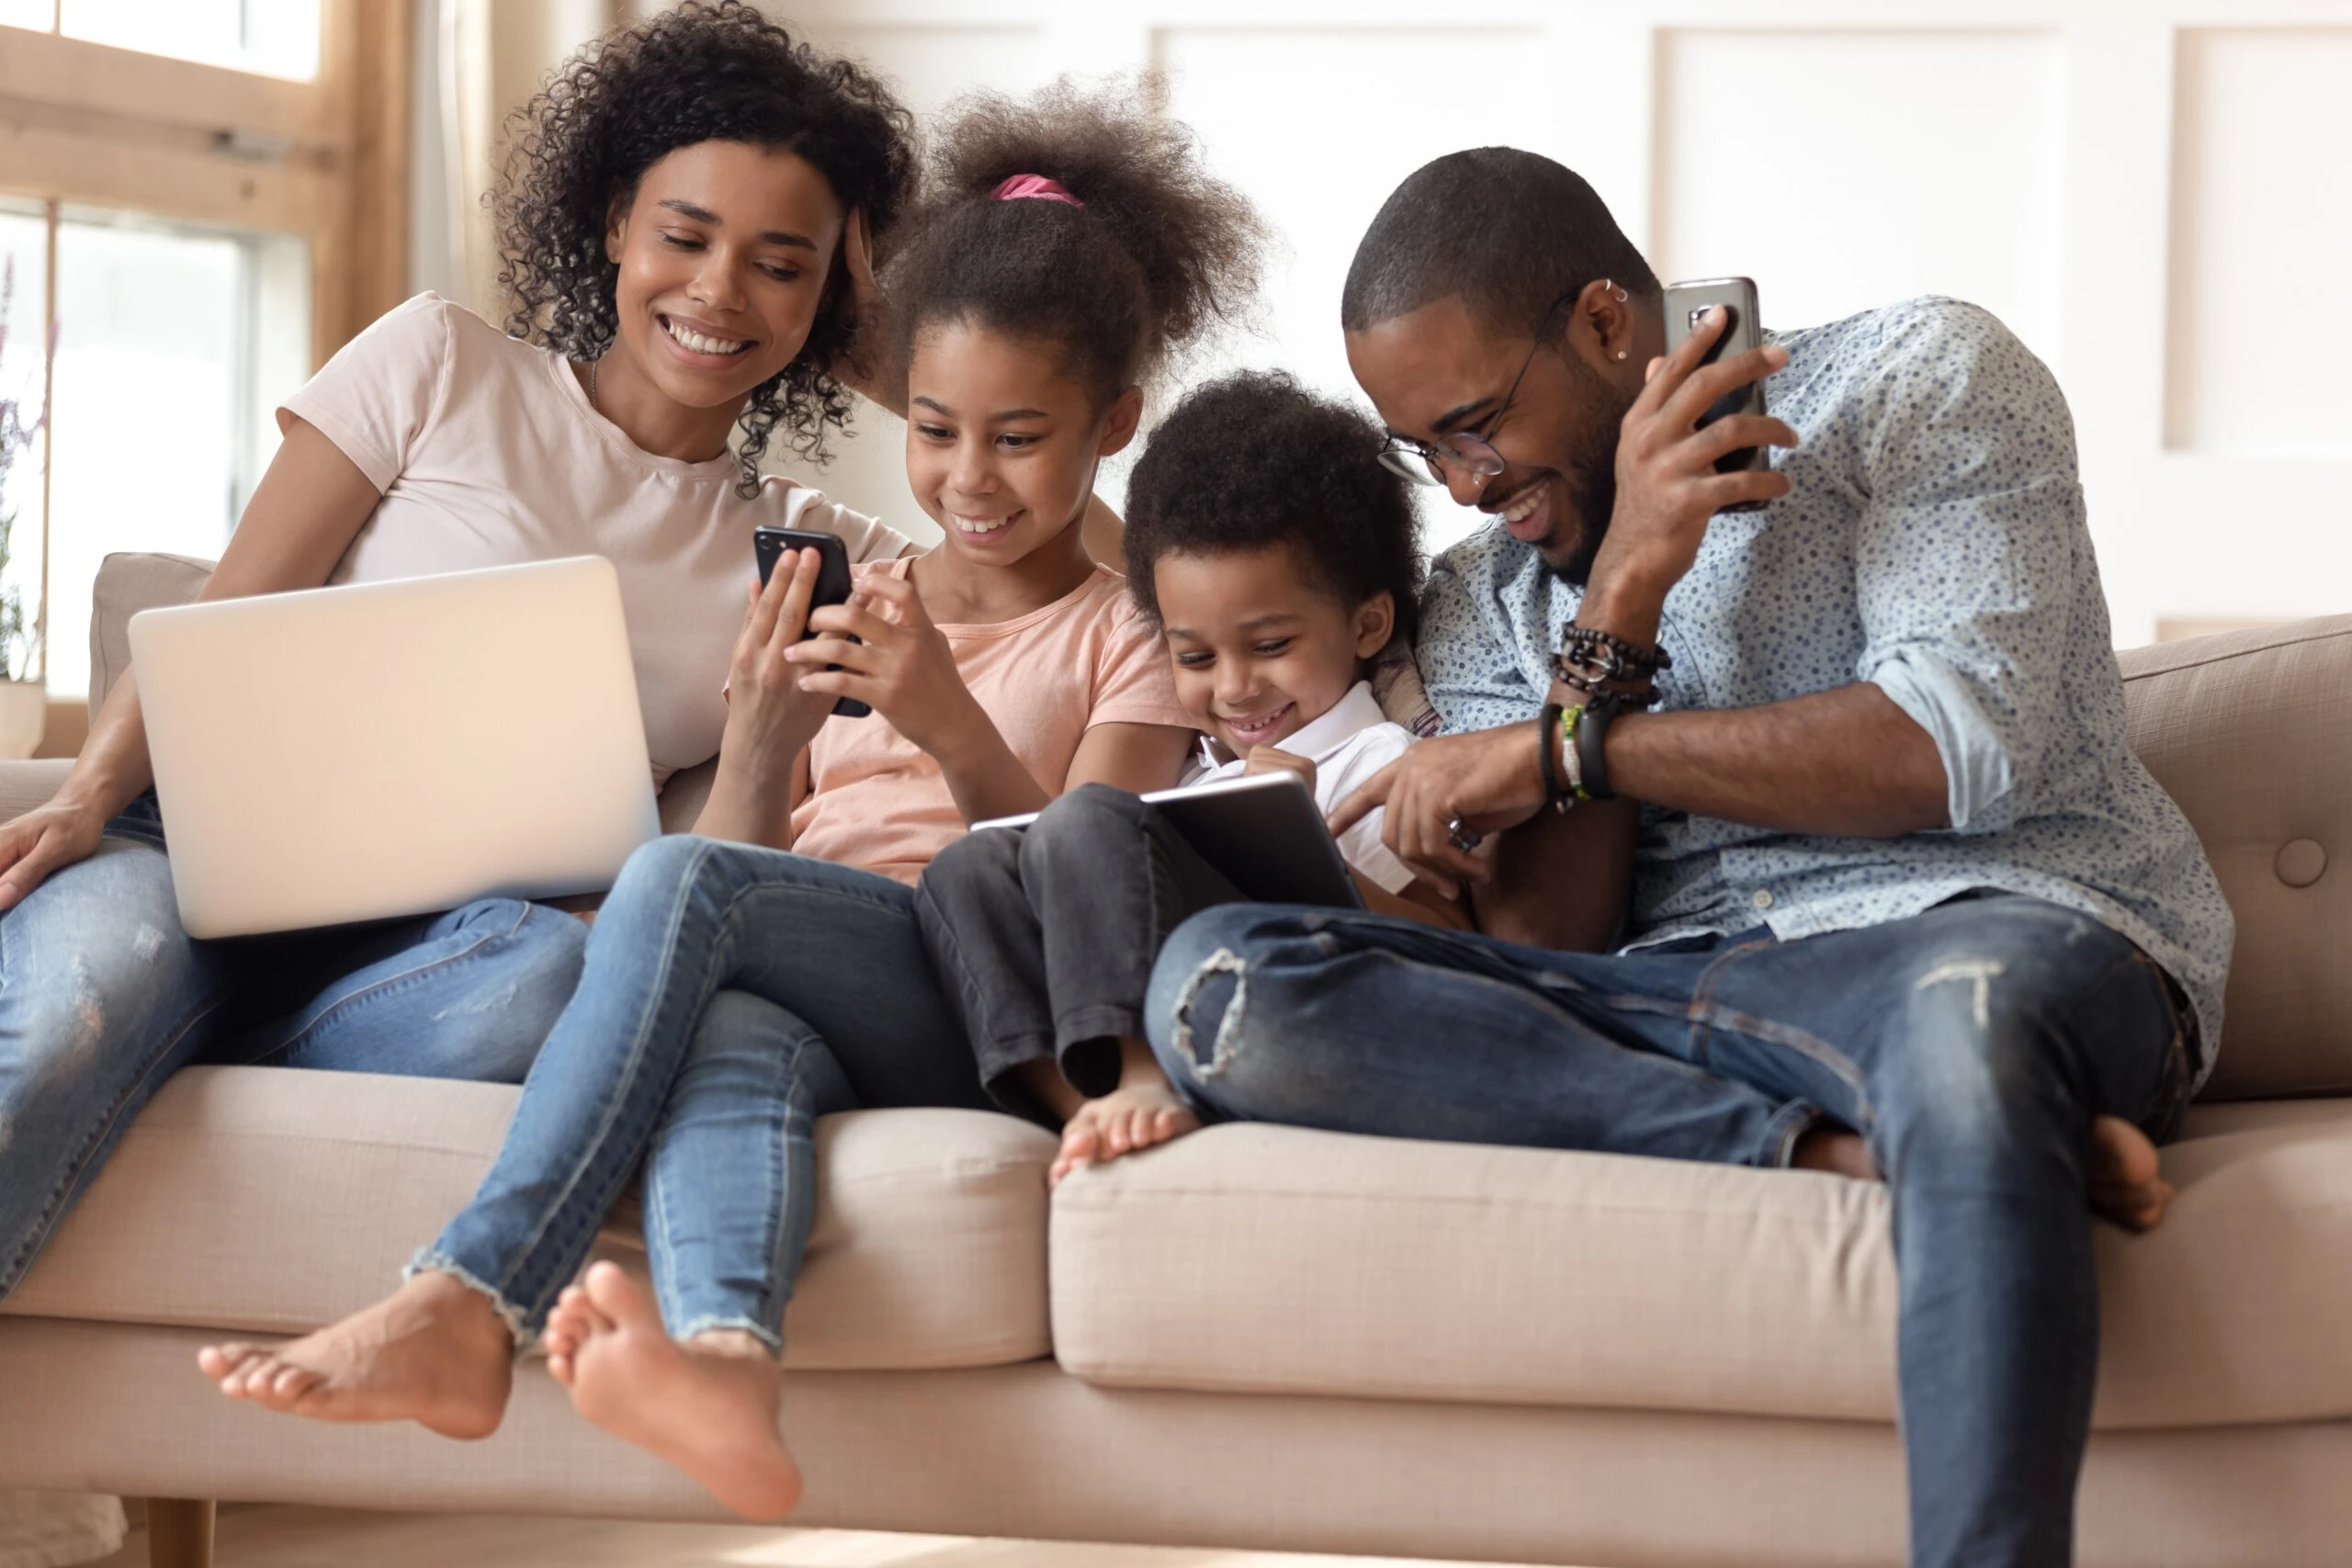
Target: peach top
{"type": "Point", "coordinates": [488, 453]}
{"type": "Point", "coordinates": [878, 801]}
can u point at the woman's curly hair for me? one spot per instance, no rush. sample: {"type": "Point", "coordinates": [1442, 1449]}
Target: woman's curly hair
{"type": "Point", "coordinates": [1159, 252]}
{"type": "Point", "coordinates": [1255, 460]}
{"type": "Point", "coordinates": [700, 73]}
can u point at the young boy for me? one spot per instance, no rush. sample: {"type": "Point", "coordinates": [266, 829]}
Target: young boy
{"type": "Point", "coordinates": [1279, 558]}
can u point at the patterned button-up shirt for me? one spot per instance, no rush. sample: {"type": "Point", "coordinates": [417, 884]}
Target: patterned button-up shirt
{"type": "Point", "coordinates": [1934, 545]}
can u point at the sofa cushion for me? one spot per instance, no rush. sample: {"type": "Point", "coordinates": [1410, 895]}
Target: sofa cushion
{"type": "Point", "coordinates": [128, 582]}
{"type": "Point", "coordinates": [276, 1199]}
{"type": "Point", "coordinates": [2252, 733]}
{"type": "Point", "coordinates": [1271, 1259]}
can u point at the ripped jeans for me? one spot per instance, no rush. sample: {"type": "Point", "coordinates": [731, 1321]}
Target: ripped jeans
{"type": "Point", "coordinates": [103, 995]}
{"type": "Point", "coordinates": [1971, 1045]}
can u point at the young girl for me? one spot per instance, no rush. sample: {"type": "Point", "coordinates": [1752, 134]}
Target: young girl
{"type": "Point", "coordinates": [735, 991]}
{"type": "Point", "coordinates": [1281, 559]}
{"type": "Point", "coordinates": [681, 231]}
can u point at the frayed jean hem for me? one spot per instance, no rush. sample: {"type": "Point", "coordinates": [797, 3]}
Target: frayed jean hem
{"type": "Point", "coordinates": [715, 1322]}
{"type": "Point", "coordinates": [517, 1321]}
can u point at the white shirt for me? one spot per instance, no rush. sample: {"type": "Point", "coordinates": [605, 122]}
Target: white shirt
{"type": "Point", "coordinates": [1346, 744]}
{"type": "Point", "coordinates": [488, 453]}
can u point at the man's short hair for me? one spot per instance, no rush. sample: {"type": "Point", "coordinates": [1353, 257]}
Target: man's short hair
{"type": "Point", "coordinates": [1507, 231]}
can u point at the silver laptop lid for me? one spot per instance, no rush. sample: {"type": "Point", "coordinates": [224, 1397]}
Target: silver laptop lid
{"type": "Point", "coordinates": [394, 747]}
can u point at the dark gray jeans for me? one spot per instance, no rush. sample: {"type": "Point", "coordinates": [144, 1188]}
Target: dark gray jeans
{"type": "Point", "coordinates": [1044, 937]}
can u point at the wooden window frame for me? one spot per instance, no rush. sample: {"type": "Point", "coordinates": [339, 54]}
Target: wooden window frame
{"type": "Point", "coordinates": [89, 124]}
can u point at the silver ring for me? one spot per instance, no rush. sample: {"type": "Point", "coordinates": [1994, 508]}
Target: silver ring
{"type": "Point", "coordinates": [1460, 836]}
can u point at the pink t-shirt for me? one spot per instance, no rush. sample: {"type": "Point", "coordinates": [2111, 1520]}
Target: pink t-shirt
{"type": "Point", "coordinates": [877, 800]}
{"type": "Point", "coordinates": [488, 454]}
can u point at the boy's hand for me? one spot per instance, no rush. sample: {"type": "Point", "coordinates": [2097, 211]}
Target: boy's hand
{"type": "Point", "coordinates": [901, 666]}
{"type": "Point", "coordinates": [1275, 760]}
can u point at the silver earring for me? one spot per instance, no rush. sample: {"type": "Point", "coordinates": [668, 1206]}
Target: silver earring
{"type": "Point", "coordinates": [1614, 292]}
{"type": "Point", "coordinates": [1621, 354]}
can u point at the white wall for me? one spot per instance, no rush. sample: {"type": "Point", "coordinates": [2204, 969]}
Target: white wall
{"type": "Point", "coordinates": [2155, 193]}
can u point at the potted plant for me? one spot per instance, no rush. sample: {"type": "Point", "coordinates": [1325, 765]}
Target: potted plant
{"type": "Point", "coordinates": [24, 700]}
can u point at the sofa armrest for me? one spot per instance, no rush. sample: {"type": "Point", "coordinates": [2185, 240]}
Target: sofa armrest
{"type": "Point", "coordinates": [24, 786]}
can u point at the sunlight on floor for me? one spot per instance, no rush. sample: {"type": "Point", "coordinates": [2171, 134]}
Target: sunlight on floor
{"type": "Point", "coordinates": [333, 1538]}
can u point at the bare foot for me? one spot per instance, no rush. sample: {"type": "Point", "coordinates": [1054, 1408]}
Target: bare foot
{"type": "Point", "coordinates": [1837, 1149]}
{"type": "Point", "coordinates": [434, 1353]}
{"type": "Point", "coordinates": [1142, 1111]}
{"type": "Point", "coordinates": [2127, 1184]}
{"type": "Point", "coordinates": [707, 1405]}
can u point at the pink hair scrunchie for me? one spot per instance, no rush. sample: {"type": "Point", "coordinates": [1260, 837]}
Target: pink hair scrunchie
{"type": "Point", "coordinates": [1035, 187]}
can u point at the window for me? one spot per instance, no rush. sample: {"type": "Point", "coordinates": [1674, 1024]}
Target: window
{"type": "Point", "coordinates": [173, 345]}
{"type": "Point", "coordinates": [278, 37]}
{"type": "Point", "coordinates": [204, 199]}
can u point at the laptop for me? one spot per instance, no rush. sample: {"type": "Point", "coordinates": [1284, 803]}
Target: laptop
{"type": "Point", "coordinates": [1261, 831]}
{"type": "Point", "coordinates": [393, 749]}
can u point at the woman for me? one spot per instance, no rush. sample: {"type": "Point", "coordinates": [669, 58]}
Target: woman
{"type": "Point", "coordinates": [684, 229]}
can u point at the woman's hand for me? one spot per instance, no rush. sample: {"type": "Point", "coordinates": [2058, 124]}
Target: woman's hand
{"type": "Point", "coordinates": [899, 665]}
{"type": "Point", "coordinates": [769, 717]}
{"type": "Point", "coordinates": [44, 840]}
{"type": "Point", "coordinates": [865, 364]}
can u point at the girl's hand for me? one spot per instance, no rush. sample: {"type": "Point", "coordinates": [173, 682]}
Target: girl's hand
{"type": "Point", "coordinates": [900, 666]}
{"type": "Point", "coordinates": [769, 717]}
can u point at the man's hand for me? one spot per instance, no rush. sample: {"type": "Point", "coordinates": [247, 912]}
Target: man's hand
{"type": "Point", "coordinates": [1666, 483]}
{"type": "Point", "coordinates": [1275, 760]}
{"type": "Point", "coordinates": [1485, 782]}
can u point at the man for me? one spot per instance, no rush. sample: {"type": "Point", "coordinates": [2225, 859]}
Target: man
{"type": "Point", "coordinates": [1894, 870]}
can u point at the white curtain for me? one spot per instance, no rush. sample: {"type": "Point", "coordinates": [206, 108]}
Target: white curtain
{"type": "Point", "coordinates": [484, 60]}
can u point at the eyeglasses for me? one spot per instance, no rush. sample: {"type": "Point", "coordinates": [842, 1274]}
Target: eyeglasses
{"type": "Point", "coordinates": [1468, 451]}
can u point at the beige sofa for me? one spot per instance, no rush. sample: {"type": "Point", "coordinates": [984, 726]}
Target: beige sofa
{"type": "Point", "coordinates": [1278, 1338]}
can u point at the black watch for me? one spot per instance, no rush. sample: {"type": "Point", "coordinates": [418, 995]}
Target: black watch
{"type": "Point", "coordinates": [1592, 741]}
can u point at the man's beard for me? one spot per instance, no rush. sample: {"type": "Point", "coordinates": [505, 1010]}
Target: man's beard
{"type": "Point", "coordinates": [1570, 558]}
{"type": "Point", "coordinates": [1591, 475]}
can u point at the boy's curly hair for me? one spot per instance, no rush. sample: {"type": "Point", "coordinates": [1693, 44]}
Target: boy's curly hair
{"type": "Point", "coordinates": [1158, 253]}
{"type": "Point", "coordinates": [700, 73]}
{"type": "Point", "coordinates": [1255, 460]}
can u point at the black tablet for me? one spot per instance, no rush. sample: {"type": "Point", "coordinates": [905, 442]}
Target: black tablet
{"type": "Point", "coordinates": [1264, 833]}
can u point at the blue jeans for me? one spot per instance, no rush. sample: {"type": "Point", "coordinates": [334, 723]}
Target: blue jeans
{"type": "Point", "coordinates": [731, 996]}
{"type": "Point", "coordinates": [103, 995]}
{"type": "Point", "coordinates": [1971, 1045]}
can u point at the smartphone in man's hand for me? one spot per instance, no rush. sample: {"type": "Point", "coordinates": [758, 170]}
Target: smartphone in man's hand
{"type": "Point", "coordinates": [768, 547]}
{"type": "Point", "coordinates": [1687, 305]}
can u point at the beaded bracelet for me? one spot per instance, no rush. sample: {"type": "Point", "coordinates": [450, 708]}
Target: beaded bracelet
{"type": "Point", "coordinates": [1604, 656]}
{"type": "Point", "coordinates": [1643, 698]}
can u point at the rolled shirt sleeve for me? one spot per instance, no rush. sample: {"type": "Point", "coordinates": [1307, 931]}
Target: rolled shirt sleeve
{"type": "Point", "coordinates": [1970, 553]}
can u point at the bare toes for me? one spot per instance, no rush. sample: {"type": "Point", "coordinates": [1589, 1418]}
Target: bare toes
{"type": "Point", "coordinates": [240, 1382]}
